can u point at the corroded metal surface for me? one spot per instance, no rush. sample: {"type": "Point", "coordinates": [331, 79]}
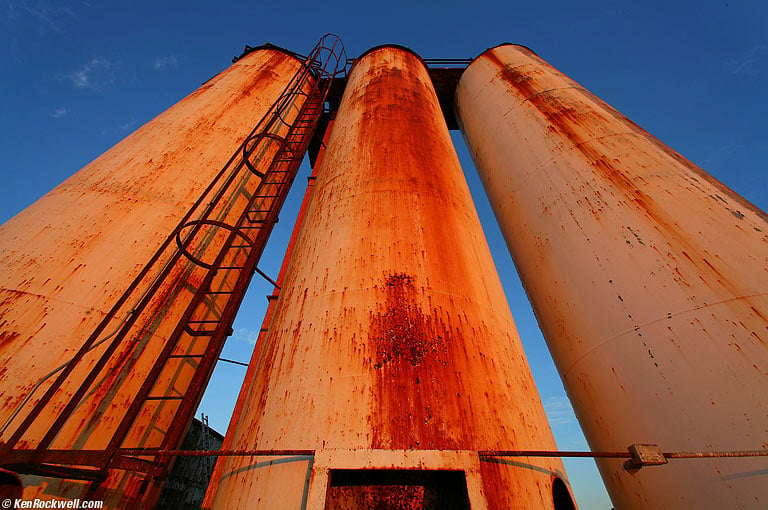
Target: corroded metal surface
{"type": "Point", "coordinates": [392, 330]}
{"type": "Point", "coordinates": [397, 490]}
{"type": "Point", "coordinates": [648, 277]}
{"type": "Point", "coordinates": [67, 258]}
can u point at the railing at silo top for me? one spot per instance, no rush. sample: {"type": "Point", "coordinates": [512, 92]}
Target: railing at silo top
{"type": "Point", "coordinates": [205, 264]}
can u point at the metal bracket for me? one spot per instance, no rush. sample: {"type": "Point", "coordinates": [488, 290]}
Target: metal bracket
{"type": "Point", "coordinates": [646, 455]}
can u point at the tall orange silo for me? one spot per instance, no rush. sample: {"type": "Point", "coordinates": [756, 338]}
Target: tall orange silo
{"type": "Point", "coordinates": [391, 359]}
{"type": "Point", "coordinates": [649, 279]}
{"type": "Point", "coordinates": [69, 259]}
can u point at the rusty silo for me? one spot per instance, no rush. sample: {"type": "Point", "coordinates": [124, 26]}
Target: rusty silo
{"type": "Point", "coordinates": [118, 287]}
{"type": "Point", "coordinates": [392, 358]}
{"type": "Point", "coordinates": [648, 278]}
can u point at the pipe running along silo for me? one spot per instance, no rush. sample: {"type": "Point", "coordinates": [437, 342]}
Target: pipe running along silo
{"type": "Point", "coordinates": [392, 357]}
{"type": "Point", "coordinates": [69, 257]}
{"type": "Point", "coordinates": [648, 278]}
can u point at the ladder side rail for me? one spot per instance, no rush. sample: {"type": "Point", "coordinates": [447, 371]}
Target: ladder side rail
{"type": "Point", "coordinates": [201, 377]}
{"type": "Point", "coordinates": [135, 311]}
{"type": "Point", "coordinates": [231, 305]}
{"type": "Point", "coordinates": [265, 123]}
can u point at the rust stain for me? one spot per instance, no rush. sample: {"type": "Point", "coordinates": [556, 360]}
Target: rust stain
{"type": "Point", "coordinates": [412, 351]}
{"type": "Point", "coordinates": [7, 337]}
{"type": "Point", "coordinates": [380, 497]}
{"type": "Point", "coordinates": [678, 157]}
{"type": "Point", "coordinates": [405, 333]}
{"type": "Point", "coordinates": [518, 80]}
{"type": "Point", "coordinates": [567, 120]}
{"type": "Point", "coordinates": [572, 124]}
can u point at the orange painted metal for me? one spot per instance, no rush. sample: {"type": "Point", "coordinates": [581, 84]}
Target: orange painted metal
{"type": "Point", "coordinates": [391, 345]}
{"type": "Point", "coordinates": [649, 279]}
{"type": "Point", "coordinates": [68, 258]}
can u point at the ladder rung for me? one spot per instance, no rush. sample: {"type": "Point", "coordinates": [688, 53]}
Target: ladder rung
{"type": "Point", "coordinates": [204, 332]}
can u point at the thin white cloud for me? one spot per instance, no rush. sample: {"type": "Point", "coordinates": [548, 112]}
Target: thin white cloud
{"type": "Point", "coordinates": [246, 335]}
{"type": "Point", "coordinates": [559, 411]}
{"type": "Point", "coordinates": [59, 113]}
{"type": "Point", "coordinates": [128, 125]}
{"type": "Point", "coordinates": [92, 75]}
{"type": "Point", "coordinates": [751, 62]}
{"type": "Point", "coordinates": [163, 61]}
{"type": "Point", "coordinates": [50, 16]}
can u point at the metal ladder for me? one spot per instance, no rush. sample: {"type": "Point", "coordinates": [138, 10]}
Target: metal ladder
{"type": "Point", "coordinates": [210, 316]}
{"type": "Point", "coordinates": [191, 288]}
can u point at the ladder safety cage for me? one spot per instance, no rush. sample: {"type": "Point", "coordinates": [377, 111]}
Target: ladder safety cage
{"type": "Point", "coordinates": [170, 324]}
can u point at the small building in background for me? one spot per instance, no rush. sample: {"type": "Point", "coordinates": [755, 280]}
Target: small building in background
{"type": "Point", "coordinates": [189, 476]}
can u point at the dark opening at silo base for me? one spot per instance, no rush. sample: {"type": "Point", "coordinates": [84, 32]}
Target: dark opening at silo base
{"type": "Point", "coordinates": [380, 489]}
{"type": "Point", "coordinates": [561, 496]}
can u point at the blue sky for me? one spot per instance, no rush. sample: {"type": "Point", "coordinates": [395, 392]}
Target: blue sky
{"type": "Point", "coordinates": [78, 76]}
